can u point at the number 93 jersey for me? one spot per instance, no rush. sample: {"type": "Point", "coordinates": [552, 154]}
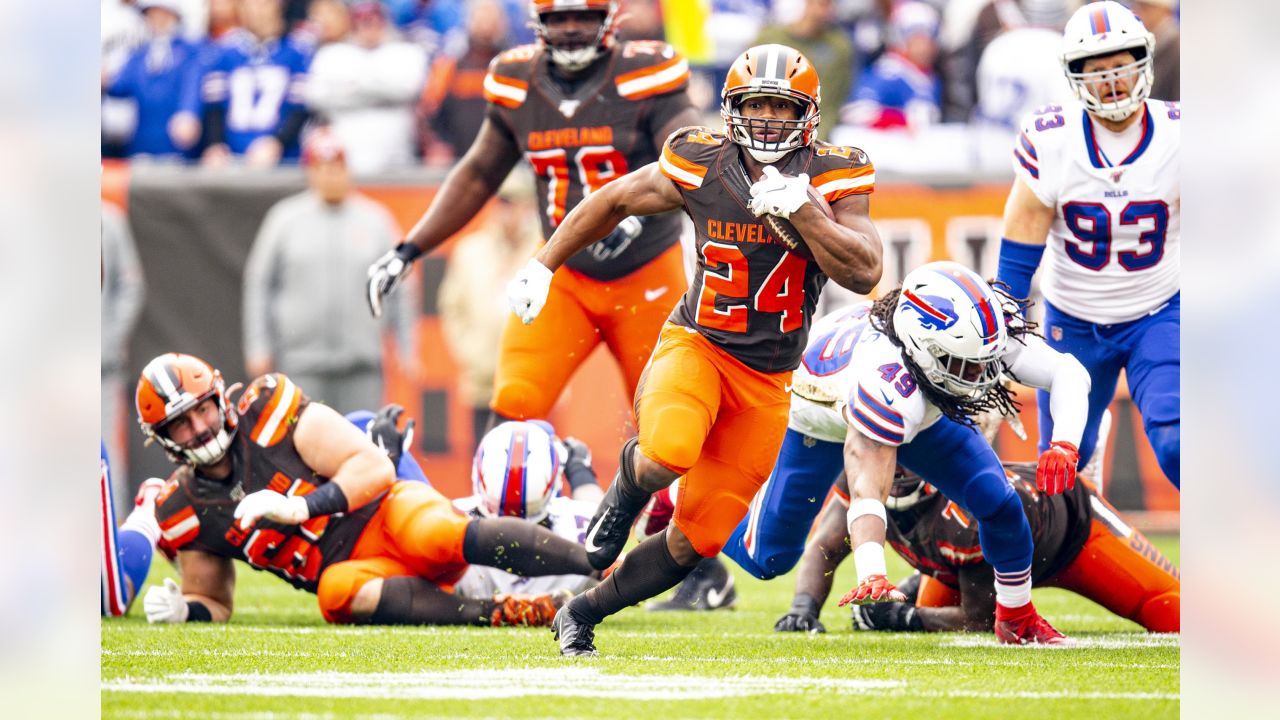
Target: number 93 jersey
{"type": "Point", "coordinates": [580, 140]}
{"type": "Point", "coordinates": [1114, 247]}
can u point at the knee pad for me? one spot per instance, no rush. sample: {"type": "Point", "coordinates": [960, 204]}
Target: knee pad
{"type": "Point", "coordinates": [674, 449]}
{"type": "Point", "coordinates": [1005, 536]}
{"type": "Point", "coordinates": [1161, 613]}
{"type": "Point", "coordinates": [519, 399]}
{"type": "Point", "coordinates": [337, 589]}
{"type": "Point", "coordinates": [1166, 440]}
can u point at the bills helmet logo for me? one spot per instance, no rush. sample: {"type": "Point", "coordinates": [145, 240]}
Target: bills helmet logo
{"type": "Point", "coordinates": [935, 312]}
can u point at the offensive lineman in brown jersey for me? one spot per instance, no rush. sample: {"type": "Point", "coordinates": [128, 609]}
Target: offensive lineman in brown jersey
{"type": "Point", "coordinates": [1081, 544]}
{"type": "Point", "coordinates": [583, 111]}
{"type": "Point", "coordinates": [291, 487]}
{"type": "Point", "coordinates": [712, 407]}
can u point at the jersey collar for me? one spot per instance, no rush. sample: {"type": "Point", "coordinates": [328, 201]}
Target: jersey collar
{"type": "Point", "coordinates": [1099, 159]}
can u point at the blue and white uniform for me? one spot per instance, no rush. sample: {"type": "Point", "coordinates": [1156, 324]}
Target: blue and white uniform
{"type": "Point", "coordinates": [853, 376]}
{"type": "Point", "coordinates": [1112, 263]}
{"type": "Point", "coordinates": [259, 84]}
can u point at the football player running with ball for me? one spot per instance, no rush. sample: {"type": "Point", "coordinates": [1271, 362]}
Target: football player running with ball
{"type": "Point", "coordinates": [1097, 196]}
{"type": "Point", "coordinates": [712, 406]}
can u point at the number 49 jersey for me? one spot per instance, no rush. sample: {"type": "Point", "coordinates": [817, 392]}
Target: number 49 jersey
{"type": "Point", "coordinates": [578, 141]}
{"type": "Point", "coordinates": [1114, 249]}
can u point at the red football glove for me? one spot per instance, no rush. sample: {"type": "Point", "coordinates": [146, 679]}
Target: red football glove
{"type": "Point", "coordinates": [876, 588]}
{"type": "Point", "coordinates": [1056, 472]}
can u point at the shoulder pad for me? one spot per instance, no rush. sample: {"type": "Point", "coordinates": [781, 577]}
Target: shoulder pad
{"type": "Point", "coordinates": [839, 171]}
{"type": "Point", "coordinates": [269, 408]}
{"type": "Point", "coordinates": [507, 82]}
{"type": "Point", "coordinates": [687, 154]}
{"type": "Point", "coordinates": [646, 68]}
{"type": "Point", "coordinates": [175, 514]}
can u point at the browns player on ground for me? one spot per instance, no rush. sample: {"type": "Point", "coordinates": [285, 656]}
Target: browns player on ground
{"type": "Point", "coordinates": [291, 487]}
{"type": "Point", "coordinates": [712, 407]}
{"type": "Point", "coordinates": [1081, 544]}
{"type": "Point", "coordinates": [583, 111]}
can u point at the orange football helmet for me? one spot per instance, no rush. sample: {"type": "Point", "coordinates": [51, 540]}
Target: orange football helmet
{"type": "Point", "coordinates": [170, 385]}
{"type": "Point", "coordinates": [771, 70]}
{"type": "Point", "coordinates": [574, 53]}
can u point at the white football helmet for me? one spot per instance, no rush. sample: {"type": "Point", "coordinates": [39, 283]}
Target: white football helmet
{"type": "Point", "coordinates": [952, 326]}
{"type": "Point", "coordinates": [518, 469]}
{"type": "Point", "coordinates": [1103, 28]}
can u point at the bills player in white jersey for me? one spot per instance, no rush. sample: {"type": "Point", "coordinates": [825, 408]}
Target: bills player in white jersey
{"type": "Point", "coordinates": [908, 375]}
{"type": "Point", "coordinates": [518, 471]}
{"type": "Point", "coordinates": [1097, 196]}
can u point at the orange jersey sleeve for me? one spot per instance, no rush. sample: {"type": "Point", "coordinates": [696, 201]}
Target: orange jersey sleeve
{"type": "Point", "coordinates": [839, 171]}
{"type": "Point", "coordinates": [688, 153]}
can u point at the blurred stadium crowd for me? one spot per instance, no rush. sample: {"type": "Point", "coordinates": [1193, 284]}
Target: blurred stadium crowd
{"type": "Point", "coordinates": [217, 82]}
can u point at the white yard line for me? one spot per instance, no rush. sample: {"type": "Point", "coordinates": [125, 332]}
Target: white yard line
{"type": "Point", "coordinates": [481, 685]}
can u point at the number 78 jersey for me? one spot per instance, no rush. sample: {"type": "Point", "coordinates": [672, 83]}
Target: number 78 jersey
{"type": "Point", "coordinates": [1114, 249]}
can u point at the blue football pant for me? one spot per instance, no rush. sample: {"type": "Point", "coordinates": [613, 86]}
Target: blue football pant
{"type": "Point", "coordinates": [1148, 350]}
{"type": "Point", "coordinates": [952, 457]}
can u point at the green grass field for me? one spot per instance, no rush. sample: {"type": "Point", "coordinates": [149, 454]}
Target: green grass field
{"type": "Point", "coordinates": [277, 659]}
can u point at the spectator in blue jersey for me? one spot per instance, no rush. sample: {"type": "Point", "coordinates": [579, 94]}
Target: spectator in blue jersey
{"type": "Point", "coordinates": [159, 76]}
{"type": "Point", "coordinates": [252, 93]}
{"type": "Point", "coordinates": [901, 89]}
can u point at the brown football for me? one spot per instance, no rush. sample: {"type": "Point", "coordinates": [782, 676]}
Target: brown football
{"type": "Point", "coordinates": [787, 234]}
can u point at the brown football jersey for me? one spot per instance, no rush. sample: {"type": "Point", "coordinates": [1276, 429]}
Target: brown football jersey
{"type": "Point", "coordinates": [195, 512]}
{"type": "Point", "coordinates": [580, 138]}
{"type": "Point", "coordinates": [937, 538]}
{"type": "Point", "coordinates": [750, 295]}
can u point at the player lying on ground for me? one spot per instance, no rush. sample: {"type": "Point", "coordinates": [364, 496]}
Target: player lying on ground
{"type": "Point", "coordinates": [291, 487]}
{"type": "Point", "coordinates": [517, 473]}
{"type": "Point", "coordinates": [1082, 544]}
{"type": "Point", "coordinates": [900, 381]}
{"type": "Point", "coordinates": [712, 405]}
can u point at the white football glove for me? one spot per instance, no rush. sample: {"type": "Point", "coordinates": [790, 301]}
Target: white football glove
{"type": "Point", "coordinates": [527, 292]}
{"type": "Point", "coordinates": [164, 603]}
{"type": "Point", "coordinates": [779, 195]}
{"type": "Point", "coordinates": [284, 509]}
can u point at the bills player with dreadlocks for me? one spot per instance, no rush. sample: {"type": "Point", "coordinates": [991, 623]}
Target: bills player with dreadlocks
{"type": "Point", "coordinates": [1097, 197]}
{"type": "Point", "coordinates": [909, 374]}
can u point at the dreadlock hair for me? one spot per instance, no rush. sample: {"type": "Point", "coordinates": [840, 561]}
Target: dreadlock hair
{"type": "Point", "coordinates": [961, 410]}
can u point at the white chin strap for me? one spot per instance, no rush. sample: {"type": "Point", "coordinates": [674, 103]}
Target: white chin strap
{"type": "Point", "coordinates": [210, 452]}
{"type": "Point", "coordinates": [767, 156]}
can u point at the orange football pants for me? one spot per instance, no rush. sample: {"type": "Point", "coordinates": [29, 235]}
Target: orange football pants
{"type": "Point", "coordinates": [705, 415]}
{"type": "Point", "coordinates": [416, 532]}
{"type": "Point", "coordinates": [1127, 576]}
{"type": "Point", "coordinates": [537, 360]}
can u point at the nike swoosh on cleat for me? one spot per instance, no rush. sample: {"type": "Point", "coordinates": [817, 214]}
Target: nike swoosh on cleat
{"type": "Point", "coordinates": [715, 598]}
{"type": "Point", "coordinates": [591, 536]}
{"type": "Point", "coordinates": [655, 293]}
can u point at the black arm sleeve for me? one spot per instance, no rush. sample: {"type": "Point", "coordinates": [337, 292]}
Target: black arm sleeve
{"type": "Point", "coordinates": [215, 125]}
{"type": "Point", "coordinates": [291, 127]}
